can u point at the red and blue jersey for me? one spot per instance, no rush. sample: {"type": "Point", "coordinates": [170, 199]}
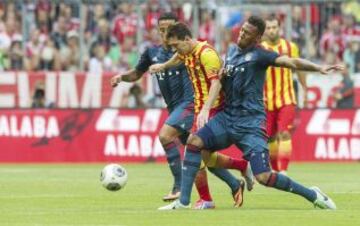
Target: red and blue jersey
{"type": "Point", "coordinates": [244, 81]}
{"type": "Point", "coordinates": [174, 83]}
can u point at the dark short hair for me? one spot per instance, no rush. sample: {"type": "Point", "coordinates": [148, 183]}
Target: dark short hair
{"type": "Point", "coordinates": [273, 17]}
{"type": "Point", "coordinates": [258, 22]}
{"type": "Point", "coordinates": [168, 16]}
{"type": "Point", "coordinates": [179, 31]}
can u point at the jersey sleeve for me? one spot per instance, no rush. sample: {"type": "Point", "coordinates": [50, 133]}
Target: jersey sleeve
{"type": "Point", "coordinates": [267, 57]}
{"type": "Point", "coordinates": [211, 63]}
{"type": "Point", "coordinates": [144, 62]}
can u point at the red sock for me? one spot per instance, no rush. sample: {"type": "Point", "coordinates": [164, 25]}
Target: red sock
{"type": "Point", "coordinates": [239, 164]}
{"type": "Point", "coordinates": [274, 164]}
{"type": "Point", "coordinates": [285, 147]}
{"type": "Point", "coordinates": [201, 184]}
{"type": "Point", "coordinates": [284, 163]}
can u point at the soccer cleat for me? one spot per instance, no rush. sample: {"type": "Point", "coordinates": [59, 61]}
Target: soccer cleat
{"type": "Point", "coordinates": [202, 205]}
{"type": "Point", "coordinates": [249, 178]}
{"type": "Point", "coordinates": [173, 195]}
{"type": "Point", "coordinates": [174, 206]}
{"type": "Point", "coordinates": [322, 200]}
{"type": "Point", "coordinates": [238, 195]}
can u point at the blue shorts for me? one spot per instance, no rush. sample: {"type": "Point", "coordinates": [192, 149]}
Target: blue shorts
{"type": "Point", "coordinates": [217, 134]}
{"type": "Point", "coordinates": [181, 118]}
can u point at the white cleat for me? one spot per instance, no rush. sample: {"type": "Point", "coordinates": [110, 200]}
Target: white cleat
{"type": "Point", "coordinates": [249, 178]}
{"type": "Point", "coordinates": [174, 206]}
{"type": "Point", "coordinates": [323, 201]}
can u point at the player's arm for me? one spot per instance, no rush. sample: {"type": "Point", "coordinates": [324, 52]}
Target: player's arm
{"type": "Point", "coordinates": [212, 64]}
{"type": "Point", "coordinates": [172, 62]}
{"type": "Point", "coordinates": [305, 65]}
{"type": "Point", "coordinates": [133, 74]}
{"type": "Point", "coordinates": [128, 76]}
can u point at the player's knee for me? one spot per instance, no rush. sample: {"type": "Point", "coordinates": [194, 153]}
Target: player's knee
{"type": "Point", "coordinates": [284, 135]}
{"type": "Point", "coordinates": [165, 138]}
{"type": "Point", "coordinates": [195, 141]}
{"type": "Point", "coordinates": [263, 178]}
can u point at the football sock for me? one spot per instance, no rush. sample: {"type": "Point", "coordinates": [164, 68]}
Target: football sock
{"type": "Point", "coordinates": [174, 160]}
{"type": "Point", "coordinates": [273, 150]}
{"type": "Point", "coordinates": [284, 154]}
{"type": "Point", "coordinates": [202, 186]}
{"type": "Point", "coordinates": [192, 161]}
{"type": "Point", "coordinates": [284, 183]}
{"type": "Point", "coordinates": [226, 162]}
{"type": "Point", "coordinates": [227, 177]}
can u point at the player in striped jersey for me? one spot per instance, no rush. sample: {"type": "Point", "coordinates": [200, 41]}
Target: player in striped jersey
{"type": "Point", "coordinates": [279, 97]}
{"type": "Point", "coordinates": [203, 64]}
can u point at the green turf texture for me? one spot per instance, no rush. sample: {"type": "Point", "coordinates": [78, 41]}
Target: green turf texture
{"type": "Point", "coordinates": [72, 195]}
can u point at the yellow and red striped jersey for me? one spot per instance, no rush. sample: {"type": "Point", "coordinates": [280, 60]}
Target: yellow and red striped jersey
{"type": "Point", "coordinates": [203, 65]}
{"type": "Point", "coordinates": [279, 88]}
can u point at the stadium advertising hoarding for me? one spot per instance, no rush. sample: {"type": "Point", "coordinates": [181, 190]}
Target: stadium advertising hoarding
{"type": "Point", "coordinates": [80, 90]}
{"type": "Point", "coordinates": [110, 135]}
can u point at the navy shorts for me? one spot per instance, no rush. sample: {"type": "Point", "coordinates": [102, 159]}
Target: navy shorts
{"type": "Point", "coordinates": [217, 135]}
{"type": "Point", "coordinates": [181, 118]}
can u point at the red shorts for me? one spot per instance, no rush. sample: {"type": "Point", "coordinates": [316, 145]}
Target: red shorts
{"type": "Point", "coordinates": [280, 120]}
{"type": "Point", "coordinates": [213, 112]}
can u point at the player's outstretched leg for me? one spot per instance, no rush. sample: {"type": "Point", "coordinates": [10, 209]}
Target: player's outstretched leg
{"type": "Point", "coordinates": [167, 138]}
{"type": "Point", "coordinates": [191, 165]}
{"type": "Point", "coordinates": [260, 164]}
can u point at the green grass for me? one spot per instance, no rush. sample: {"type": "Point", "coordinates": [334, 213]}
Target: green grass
{"type": "Point", "coordinates": [72, 195]}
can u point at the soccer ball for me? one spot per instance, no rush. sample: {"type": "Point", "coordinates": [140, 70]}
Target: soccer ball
{"type": "Point", "coordinates": [113, 177]}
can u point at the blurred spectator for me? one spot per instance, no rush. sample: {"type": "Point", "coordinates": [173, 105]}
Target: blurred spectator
{"type": "Point", "coordinates": [129, 54]}
{"type": "Point", "coordinates": [207, 26]}
{"type": "Point", "coordinates": [135, 98]}
{"type": "Point", "coordinates": [350, 30]}
{"type": "Point", "coordinates": [152, 38]}
{"type": "Point", "coordinates": [43, 13]}
{"type": "Point", "coordinates": [152, 14]}
{"type": "Point", "coordinates": [33, 49]}
{"type": "Point", "coordinates": [126, 22]}
{"type": "Point", "coordinates": [70, 54]}
{"type": "Point", "coordinates": [103, 37]}
{"type": "Point", "coordinates": [344, 95]}
{"type": "Point", "coordinates": [16, 54]}
{"type": "Point", "coordinates": [333, 40]}
{"type": "Point", "coordinates": [99, 63]}
{"type": "Point", "coordinates": [38, 97]}
{"type": "Point", "coordinates": [59, 32]}
{"type": "Point", "coordinates": [352, 56]}
{"type": "Point", "coordinates": [49, 56]}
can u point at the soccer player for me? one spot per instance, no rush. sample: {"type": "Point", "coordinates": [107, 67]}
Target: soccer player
{"type": "Point", "coordinates": [242, 122]}
{"type": "Point", "coordinates": [177, 91]}
{"type": "Point", "coordinates": [280, 100]}
{"type": "Point", "coordinates": [203, 64]}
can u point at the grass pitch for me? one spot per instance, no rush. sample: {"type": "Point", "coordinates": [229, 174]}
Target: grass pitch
{"type": "Point", "coordinates": [33, 195]}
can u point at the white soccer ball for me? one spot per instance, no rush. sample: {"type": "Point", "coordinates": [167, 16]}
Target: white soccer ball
{"type": "Point", "coordinates": [113, 177]}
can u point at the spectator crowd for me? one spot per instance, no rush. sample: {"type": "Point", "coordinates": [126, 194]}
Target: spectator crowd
{"type": "Point", "coordinates": [108, 36]}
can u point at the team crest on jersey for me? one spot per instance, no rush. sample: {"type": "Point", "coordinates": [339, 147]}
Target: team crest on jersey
{"type": "Point", "coordinates": [248, 57]}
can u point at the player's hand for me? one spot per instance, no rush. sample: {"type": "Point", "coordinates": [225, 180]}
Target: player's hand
{"type": "Point", "coordinates": [202, 118]}
{"type": "Point", "coordinates": [156, 68]}
{"type": "Point", "coordinates": [115, 80]}
{"type": "Point", "coordinates": [328, 68]}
